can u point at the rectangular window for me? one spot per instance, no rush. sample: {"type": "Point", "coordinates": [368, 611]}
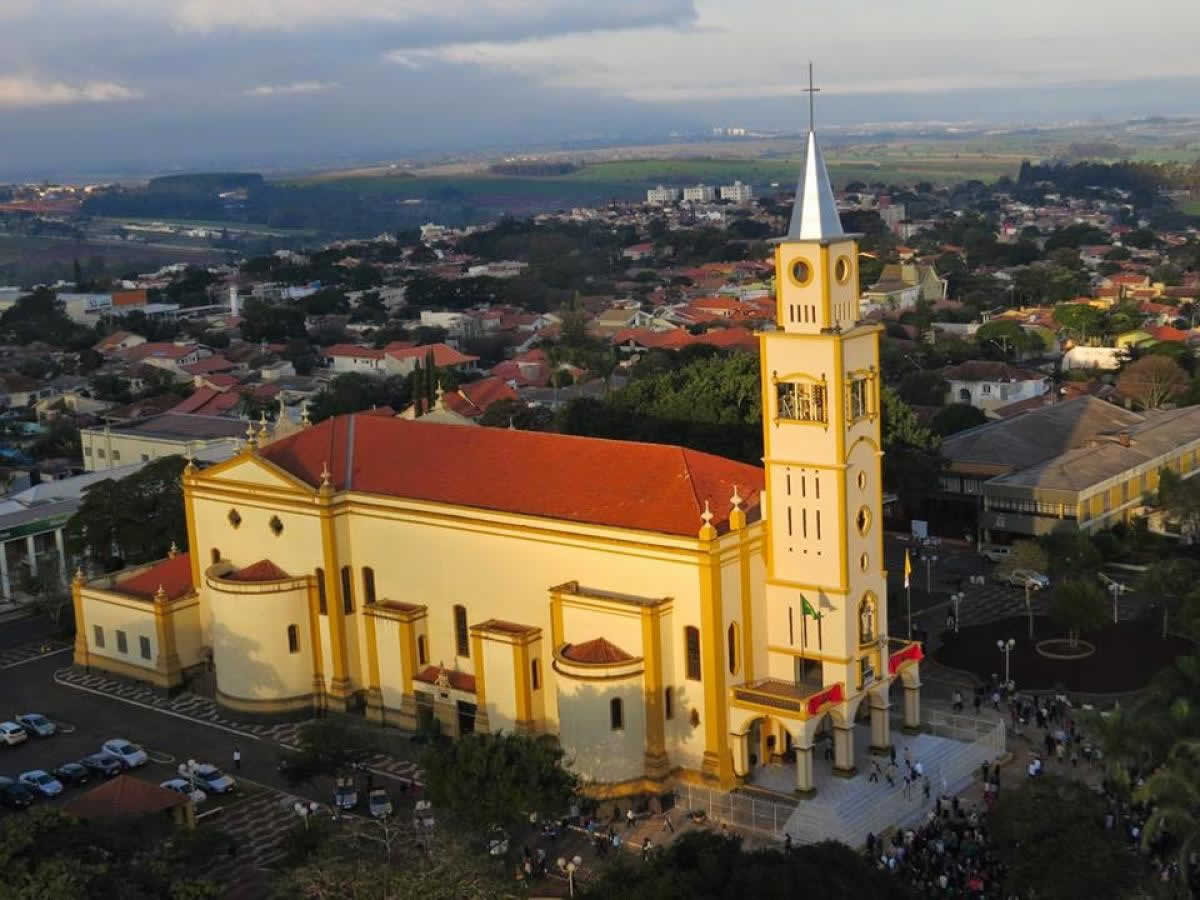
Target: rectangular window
{"type": "Point", "coordinates": [789, 517]}
{"type": "Point", "coordinates": [691, 641]}
{"type": "Point", "coordinates": [98, 637]}
{"type": "Point", "coordinates": [535, 676]}
{"type": "Point", "coordinates": [462, 639]}
{"type": "Point", "coordinates": [293, 634]}
{"type": "Point", "coordinates": [322, 602]}
{"type": "Point", "coordinates": [668, 703]}
{"type": "Point", "coordinates": [145, 457]}
{"type": "Point", "coordinates": [987, 388]}
{"type": "Point", "coordinates": [858, 399]}
{"type": "Point", "coordinates": [818, 524]}
{"type": "Point", "coordinates": [791, 628]}
{"type": "Point", "coordinates": [368, 585]}
{"type": "Point", "coordinates": [347, 591]}
{"type": "Point", "coordinates": [122, 642]}
{"type": "Point", "coordinates": [116, 454]}
{"type": "Point", "coordinates": [100, 452]}
{"type": "Point", "coordinates": [804, 523]}
{"type": "Point", "coordinates": [144, 646]}
{"type": "Point", "coordinates": [800, 401]}
{"type": "Point", "coordinates": [87, 451]}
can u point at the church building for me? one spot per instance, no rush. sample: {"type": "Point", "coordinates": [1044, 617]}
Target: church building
{"type": "Point", "coordinates": [664, 612]}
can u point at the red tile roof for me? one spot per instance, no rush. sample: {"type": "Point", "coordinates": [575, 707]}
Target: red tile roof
{"type": "Point", "coordinates": [595, 652]}
{"type": "Point", "coordinates": [1167, 333]}
{"type": "Point", "coordinates": [174, 574]}
{"type": "Point", "coordinates": [263, 570]}
{"type": "Point", "coordinates": [355, 351]}
{"type": "Point", "coordinates": [646, 487]}
{"type": "Point", "coordinates": [209, 365]}
{"type": "Point", "coordinates": [443, 355]}
{"type": "Point", "coordinates": [124, 796]}
{"type": "Point", "coordinates": [460, 681]}
{"type": "Point", "coordinates": [207, 401]}
{"type": "Point", "coordinates": [474, 399]}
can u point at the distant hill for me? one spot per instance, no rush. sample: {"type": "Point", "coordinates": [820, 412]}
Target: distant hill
{"type": "Point", "coordinates": [205, 182]}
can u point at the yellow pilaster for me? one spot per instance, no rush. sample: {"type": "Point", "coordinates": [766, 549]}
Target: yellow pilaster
{"type": "Point", "coordinates": [339, 686]}
{"type": "Point", "coordinates": [522, 686]}
{"type": "Point", "coordinates": [314, 631]}
{"type": "Point", "coordinates": [189, 513]}
{"type": "Point", "coordinates": [81, 657]}
{"type": "Point", "coordinates": [747, 649]}
{"type": "Point", "coordinates": [164, 630]}
{"type": "Point", "coordinates": [556, 622]}
{"type": "Point", "coordinates": [480, 668]}
{"type": "Point", "coordinates": [656, 743]}
{"type": "Point", "coordinates": [371, 624]}
{"type": "Point", "coordinates": [717, 763]}
{"type": "Point", "coordinates": [826, 292]}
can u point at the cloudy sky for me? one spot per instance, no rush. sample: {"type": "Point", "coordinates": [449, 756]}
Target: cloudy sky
{"type": "Point", "coordinates": [95, 85]}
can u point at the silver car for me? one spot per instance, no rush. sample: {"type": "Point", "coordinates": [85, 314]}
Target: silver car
{"type": "Point", "coordinates": [37, 724]}
{"type": "Point", "coordinates": [41, 782]}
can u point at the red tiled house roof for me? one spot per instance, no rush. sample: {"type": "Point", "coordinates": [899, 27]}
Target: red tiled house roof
{"type": "Point", "coordinates": [263, 570]}
{"type": "Point", "coordinates": [174, 574]}
{"type": "Point", "coordinates": [124, 796]}
{"type": "Point", "coordinates": [474, 399]}
{"type": "Point", "coordinates": [595, 652]}
{"type": "Point", "coordinates": [644, 487]}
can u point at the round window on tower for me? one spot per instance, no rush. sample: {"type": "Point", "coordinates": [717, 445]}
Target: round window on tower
{"type": "Point", "coordinates": [862, 481]}
{"type": "Point", "coordinates": [863, 520]}
{"type": "Point", "coordinates": [864, 562]}
{"type": "Point", "coordinates": [800, 272]}
{"type": "Point", "coordinates": [841, 270]}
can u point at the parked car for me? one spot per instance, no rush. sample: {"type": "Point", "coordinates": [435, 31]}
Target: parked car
{"type": "Point", "coordinates": [72, 773]}
{"type": "Point", "coordinates": [212, 778]}
{"type": "Point", "coordinates": [130, 755]}
{"type": "Point", "coordinates": [183, 786]}
{"type": "Point", "coordinates": [37, 724]}
{"type": "Point", "coordinates": [11, 733]}
{"type": "Point", "coordinates": [41, 782]}
{"type": "Point", "coordinates": [996, 552]}
{"type": "Point", "coordinates": [497, 841]}
{"type": "Point", "coordinates": [102, 763]}
{"type": "Point", "coordinates": [345, 796]}
{"type": "Point", "coordinates": [13, 794]}
{"type": "Point", "coordinates": [1021, 577]}
{"type": "Point", "coordinates": [379, 804]}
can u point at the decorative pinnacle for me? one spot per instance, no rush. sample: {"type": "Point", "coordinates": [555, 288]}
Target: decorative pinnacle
{"type": "Point", "coordinates": [304, 419]}
{"type": "Point", "coordinates": [326, 475]}
{"type": "Point", "coordinates": [174, 551]}
{"type": "Point", "coordinates": [707, 515]}
{"type": "Point", "coordinates": [160, 596]}
{"type": "Point", "coordinates": [249, 434]}
{"type": "Point", "coordinates": [736, 500]}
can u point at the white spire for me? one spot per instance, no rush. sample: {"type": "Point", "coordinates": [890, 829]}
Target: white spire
{"type": "Point", "coordinates": [814, 214]}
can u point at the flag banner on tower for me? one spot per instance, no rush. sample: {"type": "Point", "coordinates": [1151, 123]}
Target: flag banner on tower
{"type": "Point", "coordinates": [907, 570]}
{"type": "Point", "coordinates": [806, 608]}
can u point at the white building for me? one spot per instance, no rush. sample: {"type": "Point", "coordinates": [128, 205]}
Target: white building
{"type": "Point", "coordinates": [662, 195]}
{"type": "Point", "coordinates": [699, 193]}
{"type": "Point", "coordinates": [737, 192]}
{"type": "Point", "coordinates": [990, 385]}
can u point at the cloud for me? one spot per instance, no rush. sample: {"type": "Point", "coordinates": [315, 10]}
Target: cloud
{"type": "Point", "coordinates": [295, 87]}
{"type": "Point", "coordinates": [21, 92]}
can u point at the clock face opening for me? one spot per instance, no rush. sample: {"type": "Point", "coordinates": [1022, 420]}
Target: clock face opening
{"type": "Point", "coordinates": [801, 272]}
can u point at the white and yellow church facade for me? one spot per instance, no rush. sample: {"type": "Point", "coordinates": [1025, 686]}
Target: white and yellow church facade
{"type": "Point", "coordinates": [664, 612]}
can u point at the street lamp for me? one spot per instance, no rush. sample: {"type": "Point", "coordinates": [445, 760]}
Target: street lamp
{"type": "Point", "coordinates": [305, 811]}
{"type": "Point", "coordinates": [930, 559]}
{"type": "Point", "coordinates": [956, 598]}
{"type": "Point", "coordinates": [1006, 647]}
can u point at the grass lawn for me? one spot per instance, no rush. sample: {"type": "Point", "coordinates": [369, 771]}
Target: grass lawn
{"type": "Point", "coordinates": [1191, 207]}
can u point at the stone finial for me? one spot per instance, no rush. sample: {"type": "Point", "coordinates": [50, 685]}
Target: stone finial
{"type": "Point", "coordinates": [79, 577]}
{"type": "Point", "coordinates": [305, 420]}
{"type": "Point", "coordinates": [437, 404]}
{"type": "Point", "coordinates": [737, 515]}
{"type": "Point", "coordinates": [160, 596]}
{"type": "Point", "coordinates": [262, 426]}
{"type": "Point", "coordinates": [250, 442]}
{"type": "Point", "coordinates": [173, 552]}
{"type": "Point", "coordinates": [326, 487]}
{"type": "Point", "coordinates": [707, 531]}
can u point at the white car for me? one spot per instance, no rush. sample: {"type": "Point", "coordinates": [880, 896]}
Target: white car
{"type": "Point", "coordinates": [37, 724]}
{"type": "Point", "coordinates": [130, 755]}
{"type": "Point", "coordinates": [1021, 577]}
{"type": "Point", "coordinates": [182, 786]}
{"type": "Point", "coordinates": [211, 777]}
{"type": "Point", "coordinates": [12, 733]}
{"type": "Point", "coordinates": [41, 782]}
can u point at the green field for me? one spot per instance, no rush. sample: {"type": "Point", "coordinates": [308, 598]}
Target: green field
{"type": "Point", "coordinates": [1191, 207]}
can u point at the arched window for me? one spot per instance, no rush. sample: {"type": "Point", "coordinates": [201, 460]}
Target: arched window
{"type": "Point", "coordinates": [731, 637]}
{"type": "Point", "coordinates": [616, 714]}
{"type": "Point", "coordinates": [322, 601]}
{"type": "Point", "coordinates": [216, 555]}
{"type": "Point", "coordinates": [293, 639]}
{"type": "Point", "coordinates": [691, 643]}
{"type": "Point", "coordinates": [866, 618]}
{"type": "Point", "coordinates": [347, 591]}
{"type": "Point", "coordinates": [535, 675]}
{"type": "Point", "coordinates": [668, 703]}
{"type": "Point", "coordinates": [421, 655]}
{"type": "Point", "coordinates": [964, 396]}
{"type": "Point", "coordinates": [462, 640]}
{"type": "Point", "coordinates": [368, 585]}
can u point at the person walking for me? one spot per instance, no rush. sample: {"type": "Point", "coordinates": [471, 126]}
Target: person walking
{"type": "Point", "coordinates": [892, 753]}
{"type": "Point", "coordinates": [645, 849]}
{"type": "Point", "coordinates": [875, 770]}
{"type": "Point", "coordinates": [237, 757]}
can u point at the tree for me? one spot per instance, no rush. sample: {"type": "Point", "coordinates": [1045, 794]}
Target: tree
{"type": "Point", "coordinates": [139, 515]}
{"type": "Point", "coordinates": [1180, 497]}
{"type": "Point", "coordinates": [1077, 605]}
{"type": "Point", "coordinates": [1081, 320]}
{"type": "Point", "coordinates": [1027, 555]}
{"type": "Point", "coordinates": [706, 865]}
{"type": "Point", "coordinates": [1171, 581]}
{"type": "Point", "coordinates": [262, 321]}
{"type": "Point", "coordinates": [486, 779]}
{"type": "Point", "coordinates": [1152, 381]}
{"type": "Point", "coordinates": [324, 747]}
{"type": "Point", "coordinates": [1005, 339]}
{"type": "Point", "coordinates": [912, 462]}
{"type": "Point", "coordinates": [1047, 820]}
{"type": "Point", "coordinates": [957, 417]}
{"type": "Point", "coordinates": [1173, 795]}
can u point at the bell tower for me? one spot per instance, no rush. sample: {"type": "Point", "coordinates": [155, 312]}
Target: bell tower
{"type": "Point", "coordinates": [826, 585]}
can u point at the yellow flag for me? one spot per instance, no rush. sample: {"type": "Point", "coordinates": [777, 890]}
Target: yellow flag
{"type": "Point", "coordinates": [907, 568]}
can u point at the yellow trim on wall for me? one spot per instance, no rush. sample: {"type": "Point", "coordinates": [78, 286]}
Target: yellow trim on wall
{"type": "Point", "coordinates": [370, 623]}
{"type": "Point", "coordinates": [480, 679]}
{"type": "Point", "coordinates": [334, 608]}
{"type": "Point", "coordinates": [747, 609]}
{"type": "Point", "coordinates": [826, 289]}
{"type": "Point", "coordinates": [189, 513]}
{"type": "Point", "coordinates": [653, 680]}
{"type": "Point", "coordinates": [717, 761]}
{"type": "Point", "coordinates": [810, 654]}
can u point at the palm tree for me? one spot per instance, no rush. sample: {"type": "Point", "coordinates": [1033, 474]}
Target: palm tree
{"type": "Point", "coordinates": [1174, 793]}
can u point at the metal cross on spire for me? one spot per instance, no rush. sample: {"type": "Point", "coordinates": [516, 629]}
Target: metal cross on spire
{"type": "Point", "coordinates": [812, 92]}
